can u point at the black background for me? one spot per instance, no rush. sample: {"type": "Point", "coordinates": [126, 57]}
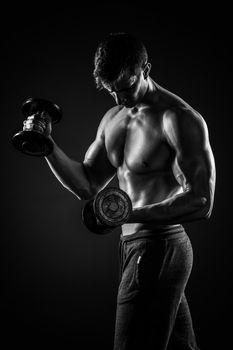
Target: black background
{"type": "Point", "coordinates": [59, 281]}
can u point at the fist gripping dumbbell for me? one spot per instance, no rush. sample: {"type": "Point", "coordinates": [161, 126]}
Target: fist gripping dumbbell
{"type": "Point", "coordinates": [111, 208]}
{"type": "Point", "coordinates": [32, 139]}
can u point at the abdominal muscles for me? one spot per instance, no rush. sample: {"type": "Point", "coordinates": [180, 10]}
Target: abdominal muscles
{"type": "Point", "coordinates": [146, 188]}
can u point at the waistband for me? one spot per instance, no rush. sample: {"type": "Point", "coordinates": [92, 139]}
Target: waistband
{"type": "Point", "coordinates": [163, 232]}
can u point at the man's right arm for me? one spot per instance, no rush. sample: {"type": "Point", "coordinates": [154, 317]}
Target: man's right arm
{"type": "Point", "coordinates": [69, 172]}
{"type": "Point", "coordinates": [83, 179]}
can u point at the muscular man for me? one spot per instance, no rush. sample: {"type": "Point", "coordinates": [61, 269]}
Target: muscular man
{"type": "Point", "coordinates": [158, 146]}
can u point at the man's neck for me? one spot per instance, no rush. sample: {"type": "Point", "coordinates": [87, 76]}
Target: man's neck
{"type": "Point", "coordinates": [149, 94]}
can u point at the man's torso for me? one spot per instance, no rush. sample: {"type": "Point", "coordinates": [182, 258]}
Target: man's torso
{"type": "Point", "coordinates": [137, 147]}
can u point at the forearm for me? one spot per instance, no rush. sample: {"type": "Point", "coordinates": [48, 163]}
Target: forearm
{"type": "Point", "coordinates": [70, 173]}
{"type": "Point", "coordinates": [175, 210]}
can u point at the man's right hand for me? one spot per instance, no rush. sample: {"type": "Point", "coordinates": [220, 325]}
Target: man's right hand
{"type": "Point", "coordinates": [40, 122]}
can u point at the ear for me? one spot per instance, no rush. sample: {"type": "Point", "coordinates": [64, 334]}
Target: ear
{"type": "Point", "coordinates": [147, 69]}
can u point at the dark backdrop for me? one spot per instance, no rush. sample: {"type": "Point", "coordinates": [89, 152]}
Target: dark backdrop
{"type": "Point", "coordinates": [59, 281]}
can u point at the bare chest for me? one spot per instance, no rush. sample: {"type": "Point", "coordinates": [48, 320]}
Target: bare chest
{"type": "Point", "coordinates": [137, 141]}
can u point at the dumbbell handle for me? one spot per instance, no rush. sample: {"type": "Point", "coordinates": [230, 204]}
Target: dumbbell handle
{"type": "Point", "coordinates": [39, 122]}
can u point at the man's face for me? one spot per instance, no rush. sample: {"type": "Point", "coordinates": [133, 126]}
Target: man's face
{"type": "Point", "coordinates": [128, 89]}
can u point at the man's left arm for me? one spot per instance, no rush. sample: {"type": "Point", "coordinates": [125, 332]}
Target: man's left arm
{"type": "Point", "coordinates": [187, 133]}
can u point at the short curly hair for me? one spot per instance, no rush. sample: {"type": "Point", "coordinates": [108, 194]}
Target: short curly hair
{"type": "Point", "coordinates": [115, 54]}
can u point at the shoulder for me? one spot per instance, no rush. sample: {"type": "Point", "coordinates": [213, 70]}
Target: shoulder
{"type": "Point", "coordinates": [177, 113]}
{"type": "Point", "coordinates": [183, 123]}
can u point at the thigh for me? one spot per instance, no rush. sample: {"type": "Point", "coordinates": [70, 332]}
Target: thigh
{"type": "Point", "coordinates": [142, 264]}
{"type": "Point", "coordinates": [149, 294]}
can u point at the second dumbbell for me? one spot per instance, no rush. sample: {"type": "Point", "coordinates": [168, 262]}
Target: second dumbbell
{"type": "Point", "coordinates": [32, 139]}
{"type": "Point", "coordinates": [110, 209]}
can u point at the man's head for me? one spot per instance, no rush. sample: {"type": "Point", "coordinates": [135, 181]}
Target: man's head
{"type": "Point", "coordinates": [121, 66]}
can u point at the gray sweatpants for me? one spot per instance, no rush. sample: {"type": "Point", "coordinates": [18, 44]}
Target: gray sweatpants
{"type": "Point", "coordinates": [152, 310]}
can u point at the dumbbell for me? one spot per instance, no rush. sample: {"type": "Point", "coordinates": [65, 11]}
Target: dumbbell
{"type": "Point", "coordinates": [110, 209]}
{"type": "Point", "coordinates": [32, 141]}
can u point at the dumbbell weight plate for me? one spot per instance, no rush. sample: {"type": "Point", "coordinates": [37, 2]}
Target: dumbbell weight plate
{"type": "Point", "coordinates": [32, 143]}
{"type": "Point", "coordinates": [34, 105]}
{"type": "Point", "coordinates": [112, 206]}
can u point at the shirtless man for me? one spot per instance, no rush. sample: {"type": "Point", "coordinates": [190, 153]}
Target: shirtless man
{"type": "Point", "coordinates": [158, 147]}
